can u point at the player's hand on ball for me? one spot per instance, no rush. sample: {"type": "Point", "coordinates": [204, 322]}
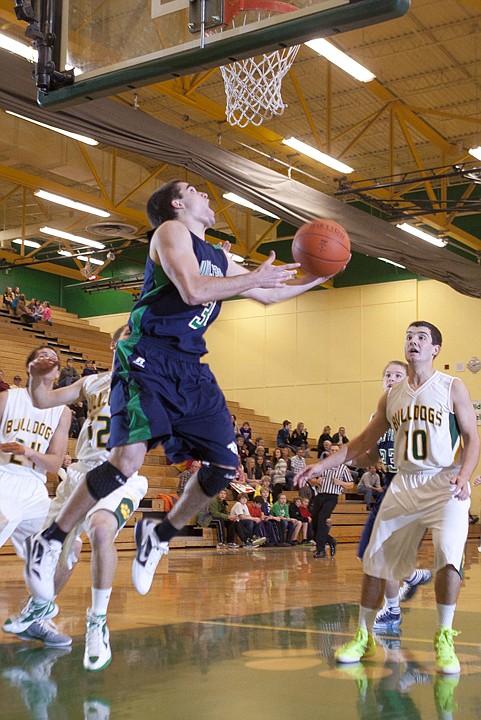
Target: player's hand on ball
{"type": "Point", "coordinates": [269, 275]}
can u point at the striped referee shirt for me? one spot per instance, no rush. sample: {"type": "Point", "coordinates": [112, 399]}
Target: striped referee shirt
{"type": "Point", "coordinates": [328, 485]}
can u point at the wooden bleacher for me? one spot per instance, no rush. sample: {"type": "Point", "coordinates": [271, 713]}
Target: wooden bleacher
{"type": "Point", "coordinates": [71, 336]}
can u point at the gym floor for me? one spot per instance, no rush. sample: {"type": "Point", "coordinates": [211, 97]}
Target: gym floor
{"type": "Point", "coordinates": [241, 634]}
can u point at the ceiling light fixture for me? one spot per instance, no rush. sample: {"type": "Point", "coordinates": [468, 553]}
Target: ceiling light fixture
{"type": "Point", "coordinates": [75, 136]}
{"type": "Point", "coordinates": [27, 243]}
{"type": "Point", "coordinates": [232, 197]}
{"type": "Point", "coordinates": [65, 253]}
{"type": "Point", "coordinates": [391, 262]}
{"type": "Point", "coordinates": [412, 230]}
{"type": "Point", "coordinates": [92, 260]}
{"type": "Point", "coordinates": [73, 238]}
{"type": "Point", "coordinates": [339, 58]}
{"type": "Point", "coordinates": [317, 155]}
{"type": "Point", "coordinates": [67, 202]}
{"type": "Point", "coordinates": [475, 152]}
{"type": "Point", "coordinates": [17, 48]}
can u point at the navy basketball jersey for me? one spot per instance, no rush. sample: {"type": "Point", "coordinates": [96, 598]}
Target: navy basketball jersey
{"type": "Point", "coordinates": [385, 447]}
{"type": "Point", "coordinates": [161, 312]}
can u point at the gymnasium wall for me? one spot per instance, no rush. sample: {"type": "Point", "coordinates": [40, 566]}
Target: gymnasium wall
{"type": "Point", "coordinates": [319, 357]}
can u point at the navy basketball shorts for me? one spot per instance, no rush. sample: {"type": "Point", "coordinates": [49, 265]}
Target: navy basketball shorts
{"type": "Point", "coordinates": [171, 400]}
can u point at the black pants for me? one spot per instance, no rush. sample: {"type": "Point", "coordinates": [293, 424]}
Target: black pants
{"type": "Point", "coordinates": [322, 508]}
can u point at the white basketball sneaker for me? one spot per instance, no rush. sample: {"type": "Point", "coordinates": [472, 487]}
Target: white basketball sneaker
{"type": "Point", "coordinates": [149, 552]}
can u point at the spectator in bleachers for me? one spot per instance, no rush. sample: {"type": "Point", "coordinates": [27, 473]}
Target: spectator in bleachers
{"type": "Point", "coordinates": [307, 520]}
{"type": "Point", "coordinates": [289, 527]}
{"type": "Point", "coordinates": [89, 368]}
{"type": "Point", "coordinates": [278, 474]}
{"type": "Point", "coordinates": [79, 415]}
{"type": "Point", "coordinates": [219, 517]}
{"type": "Point", "coordinates": [3, 385]}
{"type": "Point", "coordinates": [246, 432]}
{"type": "Point", "coordinates": [35, 309]}
{"type": "Point", "coordinates": [255, 510]}
{"type": "Point", "coordinates": [290, 474]}
{"type": "Point", "coordinates": [270, 522]}
{"type": "Point", "coordinates": [325, 435]}
{"type": "Point", "coordinates": [259, 443]}
{"type": "Point", "coordinates": [295, 512]}
{"type": "Point", "coordinates": [234, 424]}
{"type": "Point", "coordinates": [265, 484]}
{"type": "Point", "coordinates": [283, 438]}
{"type": "Point", "coordinates": [247, 529]}
{"type": "Point", "coordinates": [185, 476]}
{"type": "Point", "coordinates": [250, 468]}
{"type": "Point", "coordinates": [370, 486]}
{"type": "Point", "coordinates": [262, 467]}
{"type": "Point", "coordinates": [326, 449]}
{"type": "Point", "coordinates": [242, 448]}
{"type": "Point", "coordinates": [68, 374]}
{"type": "Point", "coordinates": [17, 382]}
{"type": "Point", "coordinates": [22, 311]}
{"type": "Point", "coordinates": [299, 437]}
{"type": "Point", "coordinates": [62, 471]}
{"type": "Point", "coordinates": [340, 438]}
{"type": "Point", "coordinates": [298, 462]}
{"type": "Point", "coordinates": [8, 297]}
{"type": "Point", "coordinates": [46, 312]}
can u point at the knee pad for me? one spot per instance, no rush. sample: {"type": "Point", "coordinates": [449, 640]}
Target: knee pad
{"type": "Point", "coordinates": [213, 478]}
{"type": "Point", "coordinates": [103, 480]}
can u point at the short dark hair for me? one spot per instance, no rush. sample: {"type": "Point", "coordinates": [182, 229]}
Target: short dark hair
{"type": "Point", "coordinates": [159, 205]}
{"type": "Point", "coordinates": [32, 356]}
{"type": "Point", "coordinates": [436, 336]}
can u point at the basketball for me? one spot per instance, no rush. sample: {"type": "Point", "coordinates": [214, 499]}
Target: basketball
{"type": "Point", "coordinates": [322, 247]}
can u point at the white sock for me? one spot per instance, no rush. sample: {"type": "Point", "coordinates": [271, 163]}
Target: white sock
{"type": "Point", "coordinates": [445, 615]}
{"type": "Point", "coordinates": [100, 600]}
{"type": "Point", "coordinates": [367, 617]}
{"type": "Point", "coordinates": [393, 603]}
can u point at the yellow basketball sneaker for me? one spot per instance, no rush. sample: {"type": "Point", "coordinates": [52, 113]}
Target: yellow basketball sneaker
{"type": "Point", "coordinates": [446, 660]}
{"type": "Point", "coordinates": [360, 648]}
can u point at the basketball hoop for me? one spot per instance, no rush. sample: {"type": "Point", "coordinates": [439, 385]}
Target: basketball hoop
{"type": "Point", "coordinates": [253, 86]}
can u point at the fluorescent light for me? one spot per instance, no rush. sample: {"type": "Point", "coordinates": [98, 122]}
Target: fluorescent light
{"type": "Point", "coordinates": [74, 136]}
{"type": "Point", "coordinates": [91, 260]}
{"type": "Point", "coordinates": [475, 152]}
{"type": "Point", "coordinates": [232, 197]}
{"type": "Point", "coordinates": [73, 238]}
{"type": "Point", "coordinates": [391, 262]}
{"type": "Point", "coordinates": [71, 203]}
{"type": "Point", "coordinates": [317, 155]}
{"type": "Point", "coordinates": [27, 243]}
{"type": "Point", "coordinates": [339, 58]}
{"type": "Point", "coordinates": [423, 235]}
{"type": "Point", "coordinates": [14, 46]}
{"type": "Point", "coordinates": [65, 253]}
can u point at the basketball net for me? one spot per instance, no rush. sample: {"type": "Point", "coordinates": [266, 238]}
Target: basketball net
{"type": "Point", "coordinates": [253, 86]}
{"type": "Point", "coordinates": [88, 270]}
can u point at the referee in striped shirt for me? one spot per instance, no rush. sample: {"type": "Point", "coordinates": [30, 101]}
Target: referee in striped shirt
{"type": "Point", "coordinates": [333, 483]}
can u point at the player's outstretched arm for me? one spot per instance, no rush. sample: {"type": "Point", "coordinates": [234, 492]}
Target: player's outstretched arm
{"type": "Point", "coordinates": [41, 386]}
{"type": "Point", "coordinates": [171, 247]}
{"type": "Point", "coordinates": [353, 449]}
{"type": "Point", "coordinates": [53, 458]}
{"type": "Point", "coordinates": [466, 419]}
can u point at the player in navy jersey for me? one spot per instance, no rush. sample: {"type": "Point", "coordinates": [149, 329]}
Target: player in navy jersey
{"type": "Point", "coordinates": [161, 393]}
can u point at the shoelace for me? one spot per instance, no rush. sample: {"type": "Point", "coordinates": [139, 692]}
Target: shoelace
{"type": "Point", "coordinates": [94, 639]}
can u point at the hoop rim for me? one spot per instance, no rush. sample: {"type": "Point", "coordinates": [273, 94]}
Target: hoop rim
{"type": "Point", "coordinates": [234, 7]}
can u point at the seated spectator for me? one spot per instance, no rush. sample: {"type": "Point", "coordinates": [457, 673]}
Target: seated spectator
{"type": "Point", "coordinates": [304, 517]}
{"type": "Point", "coordinates": [278, 474]}
{"type": "Point", "coordinates": [68, 374]}
{"type": "Point", "coordinates": [239, 484]}
{"type": "Point", "coordinates": [299, 437]}
{"type": "Point", "coordinates": [8, 297]}
{"type": "Point", "coordinates": [370, 485]}
{"type": "Point", "coordinates": [79, 415]}
{"type": "Point", "coordinates": [89, 368]}
{"type": "Point", "coordinates": [259, 443]}
{"type": "Point", "coordinates": [62, 471]}
{"type": "Point", "coordinates": [290, 474]}
{"type": "Point", "coordinates": [283, 438]}
{"type": "Point", "coordinates": [288, 527]}
{"type": "Point", "coordinates": [47, 313]}
{"type": "Point", "coordinates": [186, 474]}
{"type": "Point", "coordinates": [325, 435]}
{"type": "Point", "coordinates": [326, 449]}
{"type": "Point", "coordinates": [3, 385]}
{"type": "Point", "coordinates": [250, 469]}
{"type": "Point", "coordinates": [262, 467]}
{"type": "Point", "coordinates": [17, 382]}
{"type": "Point", "coordinates": [234, 424]}
{"type": "Point", "coordinates": [242, 448]}
{"type": "Point", "coordinates": [255, 510]}
{"type": "Point", "coordinates": [246, 432]}
{"type": "Point", "coordinates": [248, 530]}
{"type": "Point", "coordinates": [22, 311]}
{"type": "Point", "coordinates": [218, 516]}
{"type": "Point", "coordinates": [270, 522]}
{"type": "Point", "coordinates": [35, 309]}
{"type": "Point", "coordinates": [340, 437]}
{"type": "Point", "coordinates": [298, 462]}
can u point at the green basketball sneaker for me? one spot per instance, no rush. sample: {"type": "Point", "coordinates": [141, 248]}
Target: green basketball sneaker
{"type": "Point", "coordinates": [446, 660]}
{"type": "Point", "coordinates": [360, 648]}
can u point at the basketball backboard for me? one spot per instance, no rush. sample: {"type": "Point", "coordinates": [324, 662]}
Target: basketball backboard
{"type": "Point", "coordinates": [116, 45]}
